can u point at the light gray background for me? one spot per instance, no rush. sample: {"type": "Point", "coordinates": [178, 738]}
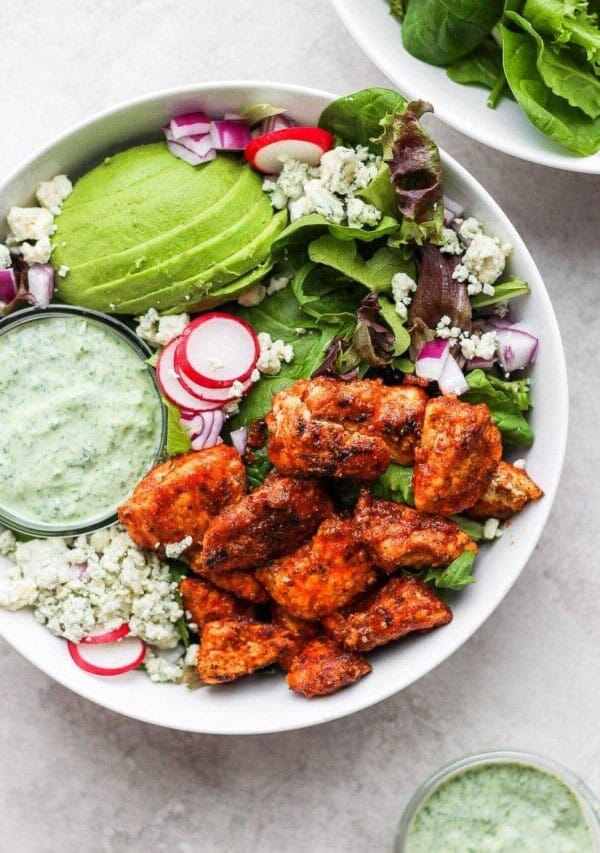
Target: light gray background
{"type": "Point", "coordinates": [74, 777]}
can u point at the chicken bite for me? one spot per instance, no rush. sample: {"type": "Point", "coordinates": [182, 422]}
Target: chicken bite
{"type": "Point", "coordinates": [178, 498]}
{"type": "Point", "coordinates": [322, 667]}
{"type": "Point", "coordinates": [508, 491]}
{"type": "Point", "coordinates": [242, 584]}
{"type": "Point", "coordinates": [323, 574]}
{"type": "Point", "coordinates": [460, 449]}
{"type": "Point", "coordinates": [403, 605]}
{"type": "Point", "coordinates": [300, 632]}
{"type": "Point", "coordinates": [397, 536]}
{"type": "Point", "coordinates": [273, 520]}
{"type": "Point", "coordinates": [231, 648]}
{"type": "Point", "coordinates": [205, 603]}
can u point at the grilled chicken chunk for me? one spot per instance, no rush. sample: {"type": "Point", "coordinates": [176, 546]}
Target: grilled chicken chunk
{"type": "Point", "coordinates": [179, 497]}
{"type": "Point", "coordinates": [333, 428]}
{"type": "Point", "coordinates": [238, 646]}
{"type": "Point", "coordinates": [272, 520]}
{"type": "Point", "coordinates": [322, 667]}
{"type": "Point", "coordinates": [323, 574]}
{"type": "Point", "coordinates": [300, 632]}
{"type": "Point", "coordinates": [242, 584]}
{"type": "Point", "coordinates": [460, 449]}
{"type": "Point", "coordinates": [397, 536]}
{"type": "Point", "coordinates": [206, 603]}
{"type": "Point", "coordinates": [401, 606]}
{"type": "Point", "coordinates": [506, 494]}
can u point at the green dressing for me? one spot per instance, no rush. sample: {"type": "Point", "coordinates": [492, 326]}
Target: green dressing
{"type": "Point", "coordinates": [81, 420]}
{"type": "Point", "coordinates": [505, 808]}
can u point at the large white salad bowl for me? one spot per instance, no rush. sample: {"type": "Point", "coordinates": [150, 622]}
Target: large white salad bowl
{"type": "Point", "coordinates": [263, 703]}
{"type": "Point", "coordinates": [462, 107]}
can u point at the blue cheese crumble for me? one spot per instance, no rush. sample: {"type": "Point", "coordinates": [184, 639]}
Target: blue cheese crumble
{"type": "Point", "coordinates": [403, 287]}
{"type": "Point", "coordinates": [273, 354]}
{"type": "Point", "coordinates": [160, 331]}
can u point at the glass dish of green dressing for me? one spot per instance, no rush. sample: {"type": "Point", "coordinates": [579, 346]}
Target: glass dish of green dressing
{"type": "Point", "coordinates": [82, 419]}
{"type": "Point", "coordinates": [505, 802]}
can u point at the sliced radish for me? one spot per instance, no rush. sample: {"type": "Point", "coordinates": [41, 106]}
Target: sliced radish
{"type": "Point", "coordinates": [171, 386]}
{"type": "Point", "coordinates": [217, 349]}
{"type": "Point", "coordinates": [108, 658]}
{"type": "Point", "coordinates": [189, 124]}
{"type": "Point", "coordinates": [107, 636]}
{"type": "Point", "coordinates": [431, 359]}
{"type": "Point", "coordinates": [268, 151]}
{"type": "Point", "coordinates": [217, 397]}
{"type": "Point", "coordinates": [452, 380]}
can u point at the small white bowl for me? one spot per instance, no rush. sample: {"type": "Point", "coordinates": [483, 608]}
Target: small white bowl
{"type": "Point", "coordinates": [462, 107]}
{"type": "Point", "coordinates": [262, 703]}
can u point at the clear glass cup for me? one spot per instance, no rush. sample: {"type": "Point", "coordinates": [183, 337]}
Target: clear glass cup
{"type": "Point", "coordinates": [588, 802]}
{"type": "Point", "coordinates": [29, 315]}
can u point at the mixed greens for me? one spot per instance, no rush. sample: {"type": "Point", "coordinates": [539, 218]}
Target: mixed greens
{"type": "Point", "coordinates": [543, 53]}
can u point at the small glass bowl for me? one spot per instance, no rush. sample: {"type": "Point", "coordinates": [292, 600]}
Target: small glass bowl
{"type": "Point", "coordinates": [589, 804]}
{"type": "Point", "coordinates": [28, 315]}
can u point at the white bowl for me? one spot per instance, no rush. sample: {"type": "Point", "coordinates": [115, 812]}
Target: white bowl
{"type": "Point", "coordinates": [264, 703]}
{"type": "Point", "coordinates": [463, 107]}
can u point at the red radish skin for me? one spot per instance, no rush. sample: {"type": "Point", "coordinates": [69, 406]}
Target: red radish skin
{"type": "Point", "coordinates": [307, 144]}
{"type": "Point", "coordinates": [171, 386]}
{"type": "Point", "coordinates": [216, 397]}
{"type": "Point", "coordinates": [218, 334]}
{"type": "Point", "coordinates": [108, 636]}
{"type": "Point", "coordinates": [75, 650]}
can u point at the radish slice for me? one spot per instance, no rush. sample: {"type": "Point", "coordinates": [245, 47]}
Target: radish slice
{"type": "Point", "coordinates": [8, 285]}
{"type": "Point", "coordinates": [239, 438]}
{"type": "Point", "coordinates": [184, 153]}
{"type": "Point", "coordinates": [107, 636]}
{"type": "Point", "coordinates": [230, 135]}
{"type": "Point", "coordinates": [517, 348]}
{"type": "Point", "coordinates": [432, 358]}
{"type": "Point", "coordinates": [171, 386]}
{"type": "Point", "coordinates": [452, 380]}
{"type": "Point", "coordinates": [189, 124]}
{"type": "Point", "coordinates": [40, 283]}
{"type": "Point", "coordinates": [217, 349]}
{"type": "Point", "coordinates": [268, 151]}
{"type": "Point", "coordinates": [216, 397]}
{"type": "Point", "coordinates": [108, 658]}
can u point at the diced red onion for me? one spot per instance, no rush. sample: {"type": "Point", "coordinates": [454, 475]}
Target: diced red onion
{"type": "Point", "coordinates": [40, 283]}
{"type": "Point", "coordinates": [8, 285]}
{"type": "Point", "coordinates": [452, 208]}
{"type": "Point", "coordinates": [189, 124]}
{"type": "Point", "coordinates": [452, 380]}
{"type": "Point", "coordinates": [239, 438]}
{"type": "Point", "coordinates": [228, 135]}
{"type": "Point", "coordinates": [478, 363]}
{"type": "Point", "coordinates": [278, 122]}
{"type": "Point", "coordinates": [233, 117]}
{"type": "Point", "coordinates": [184, 153]}
{"type": "Point", "coordinates": [431, 359]}
{"type": "Point", "coordinates": [205, 429]}
{"type": "Point", "coordinates": [516, 349]}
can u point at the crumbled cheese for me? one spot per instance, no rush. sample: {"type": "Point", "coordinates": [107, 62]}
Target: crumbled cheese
{"type": "Point", "coordinates": [403, 286]}
{"type": "Point", "coordinates": [161, 670]}
{"type": "Point", "coordinates": [360, 213]}
{"type": "Point", "coordinates": [253, 296]}
{"type": "Point", "coordinates": [237, 389]}
{"type": "Point", "coordinates": [447, 332]}
{"type": "Point", "coordinates": [501, 309]}
{"type": "Point", "coordinates": [63, 270]}
{"type": "Point", "coordinates": [92, 582]}
{"type": "Point", "coordinates": [468, 229]}
{"type": "Point", "coordinates": [344, 171]}
{"type": "Point", "coordinates": [5, 257]}
{"type": "Point", "coordinates": [231, 409]}
{"type": "Point", "coordinates": [491, 529]}
{"type": "Point", "coordinates": [518, 463]}
{"type": "Point", "coordinates": [272, 354]}
{"type": "Point", "coordinates": [255, 375]}
{"type": "Point", "coordinates": [450, 242]}
{"type": "Point", "coordinates": [176, 549]}
{"type": "Point", "coordinates": [51, 194]}
{"type": "Point", "coordinates": [37, 253]}
{"type": "Point", "coordinates": [160, 331]}
{"type": "Point", "coordinates": [479, 346]}
{"type": "Point", "coordinates": [30, 223]}
{"type": "Point", "coordinates": [215, 362]}
{"type": "Point", "coordinates": [486, 258]}
{"type": "Point", "coordinates": [191, 655]}
{"type": "Point", "coordinates": [277, 283]}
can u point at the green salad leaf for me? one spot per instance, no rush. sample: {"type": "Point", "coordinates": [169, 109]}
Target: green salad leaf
{"type": "Point", "coordinates": [178, 439]}
{"type": "Point", "coordinates": [356, 118]}
{"type": "Point", "coordinates": [395, 484]}
{"type": "Point", "coordinates": [480, 67]}
{"type": "Point", "coordinates": [376, 273]}
{"type": "Point", "coordinates": [502, 293]}
{"type": "Point", "coordinates": [258, 468]}
{"type": "Point", "coordinates": [567, 22]}
{"type": "Point", "coordinates": [441, 31]}
{"type": "Point", "coordinates": [472, 528]}
{"type": "Point", "coordinates": [307, 228]}
{"type": "Point", "coordinates": [395, 322]}
{"type": "Point", "coordinates": [506, 401]}
{"type": "Point", "coordinates": [380, 192]}
{"type": "Point", "coordinates": [327, 297]}
{"type": "Point", "coordinates": [455, 576]}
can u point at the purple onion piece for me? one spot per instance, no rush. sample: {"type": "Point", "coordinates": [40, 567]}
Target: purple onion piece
{"type": "Point", "coordinates": [239, 438]}
{"type": "Point", "coordinates": [40, 282]}
{"type": "Point", "coordinates": [8, 285]}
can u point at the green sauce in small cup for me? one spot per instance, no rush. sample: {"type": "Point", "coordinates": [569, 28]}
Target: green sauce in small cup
{"type": "Point", "coordinates": [504, 808]}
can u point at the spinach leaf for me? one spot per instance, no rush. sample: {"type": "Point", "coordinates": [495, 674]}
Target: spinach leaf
{"type": "Point", "coordinates": [380, 192]}
{"type": "Point", "coordinates": [376, 273]}
{"type": "Point", "coordinates": [178, 439]}
{"type": "Point", "coordinates": [472, 528]}
{"type": "Point", "coordinates": [258, 468]}
{"type": "Point", "coordinates": [481, 67]}
{"type": "Point", "coordinates": [356, 118]}
{"type": "Point", "coordinates": [441, 31]}
{"type": "Point", "coordinates": [395, 484]}
{"type": "Point", "coordinates": [455, 576]}
{"type": "Point", "coordinates": [305, 229]}
{"type": "Point", "coordinates": [503, 291]}
{"type": "Point", "coordinates": [327, 297]}
{"type": "Point", "coordinates": [394, 321]}
{"type": "Point", "coordinates": [566, 23]}
{"type": "Point", "coordinates": [506, 401]}
{"type": "Point", "coordinates": [551, 114]}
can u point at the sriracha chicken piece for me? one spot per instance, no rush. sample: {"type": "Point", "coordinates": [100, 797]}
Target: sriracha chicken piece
{"type": "Point", "coordinates": [231, 648]}
{"type": "Point", "coordinates": [299, 631]}
{"type": "Point", "coordinates": [397, 536]}
{"type": "Point", "coordinates": [323, 574]}
{"type": "Point", "coordinates": [401, 606]}
{"type": "Point", "coordinates": [459, 451]}
{"type": "Point", "coordinates": [242, 584]}
{"type": "Point", "coordinates": [206, 603]}
{"type": "Point", "coordinates": [506, 494]}
{"type": "Point", "coordinates": [273, 520]}
{"type": "Point", "coordinates": [322, 668]}
{"type": "Point", "coordinates": [178, 498]}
